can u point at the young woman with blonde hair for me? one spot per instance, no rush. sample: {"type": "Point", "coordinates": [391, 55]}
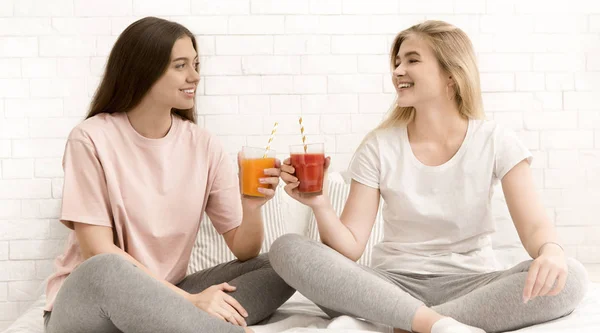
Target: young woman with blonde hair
{"type": "Point", "coordinates": [434, 161]}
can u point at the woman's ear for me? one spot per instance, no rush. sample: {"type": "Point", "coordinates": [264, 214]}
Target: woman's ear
{"type": "Point", "coordinates": [450, 88]}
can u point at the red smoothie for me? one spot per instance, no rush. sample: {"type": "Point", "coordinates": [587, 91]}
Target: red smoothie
{"type": "Point", "coordinates": [309, 171]}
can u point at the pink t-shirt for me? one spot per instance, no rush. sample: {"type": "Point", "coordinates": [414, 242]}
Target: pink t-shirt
{"type": "Point", "coordinates": [151, 192]}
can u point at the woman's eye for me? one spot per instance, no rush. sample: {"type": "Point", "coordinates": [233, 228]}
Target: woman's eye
{"type": "Point", "coordinates": [180, 66]}
{"type": "Point", "coordinates": [412, 61]}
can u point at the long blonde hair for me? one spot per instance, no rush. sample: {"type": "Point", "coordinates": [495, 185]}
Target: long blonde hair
{"type": "Point", "coordinates": [454, 52]}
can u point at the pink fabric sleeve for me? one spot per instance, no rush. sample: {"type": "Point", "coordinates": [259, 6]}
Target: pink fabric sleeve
{"type": "Point", "coordinates": [224, 205]}
{"type": "Point", "coordinates": [85, 195]}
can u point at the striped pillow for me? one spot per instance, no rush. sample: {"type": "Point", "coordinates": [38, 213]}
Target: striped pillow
{"type": "Point", "coordinates": [338, 194]}
{"type": "Point", "coordinates": [210, 248]}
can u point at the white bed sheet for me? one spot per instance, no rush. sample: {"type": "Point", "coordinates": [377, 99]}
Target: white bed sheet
{"type": "Point", "coordinates": [299, 314]}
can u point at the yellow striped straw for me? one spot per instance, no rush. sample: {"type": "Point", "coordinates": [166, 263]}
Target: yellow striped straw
{"type": "Point", "coordinates": [303, 136]}
{"type": "Point", "coordinates": [271, 139]}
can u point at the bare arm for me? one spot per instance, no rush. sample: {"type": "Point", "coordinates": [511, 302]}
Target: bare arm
{"type": "Point", "coordinates": [94, 239]}
{"type": "Point", "coordinates": [527, 212]}
{"type": "Point", "coordinates": [547, 274]}
{"type": "Point", "coordinates": [349, 233]}
{"type": "Point", "coordinates": [246, 240]}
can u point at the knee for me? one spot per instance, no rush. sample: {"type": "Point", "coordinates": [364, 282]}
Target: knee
{"type": "Point", "coordinates": [103, 261]}
{"type": "Point", "coordinates": [573, 292]}
{"type": "Point", "coordinates": [285, 249]}
{"type": "Point", "coordinates": [285, 245]}
{"type": "Point", "coordinates": [102, 267]}
{"type": "Point", "coordinates": [577, 284]}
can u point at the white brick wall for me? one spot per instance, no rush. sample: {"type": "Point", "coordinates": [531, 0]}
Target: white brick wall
{"type": "Point", "coordinates": [273, 60]}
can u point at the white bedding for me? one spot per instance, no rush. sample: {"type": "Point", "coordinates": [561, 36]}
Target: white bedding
{"type": "Point", "coordinates": [300, 315]}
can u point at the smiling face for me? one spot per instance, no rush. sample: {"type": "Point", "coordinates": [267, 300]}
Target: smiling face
{"type": "Point", "coordinates": [176, 88]}
{"type": "Point", "coordinates": [417, 74]}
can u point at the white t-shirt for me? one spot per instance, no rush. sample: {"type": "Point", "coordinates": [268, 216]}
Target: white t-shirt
{"type": "Point", "coordinates": [437, 219]}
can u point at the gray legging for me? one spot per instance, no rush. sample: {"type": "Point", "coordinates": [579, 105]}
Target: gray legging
{"type": "Point", "coordinates": [491, 301]}
{"type": "Point", "coordinates": [108, 294]}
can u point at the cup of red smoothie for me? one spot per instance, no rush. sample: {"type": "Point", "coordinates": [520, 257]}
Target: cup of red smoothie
{"type": "Point", "coordinates": [308, 161]}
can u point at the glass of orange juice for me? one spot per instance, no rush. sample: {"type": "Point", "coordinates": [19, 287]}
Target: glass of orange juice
{"type": "Point", "coordinates": [253, 165]}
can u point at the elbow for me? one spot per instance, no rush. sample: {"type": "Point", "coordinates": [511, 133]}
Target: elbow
{"type": "Point", "coordinates": [354, 254]}
{"type": "Point", "coordinates": [87, 253]}
{"type": "Point", "coordinates": [247, 252]}
{"type": "Point", "coordinates": [350, 253]}
{"type": "Point", "coordinates": [247, 256]}
{"type": "Point", "coordinates": [354, 257]}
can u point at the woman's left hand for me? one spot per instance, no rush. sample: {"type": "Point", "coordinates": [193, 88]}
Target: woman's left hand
{"type": "Point", "coordinates": [271, 178]}
{"type": "Point", "coordinates": [547, 274]}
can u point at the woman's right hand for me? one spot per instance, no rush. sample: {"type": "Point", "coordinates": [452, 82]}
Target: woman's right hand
{"type": "Point", "coordinates": [292, 183]}
{"type": "Point", "coordinates": [214, 301]}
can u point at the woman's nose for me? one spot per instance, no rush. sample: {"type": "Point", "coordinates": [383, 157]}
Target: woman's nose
{"type": "Point", "coordinates": [194, 76]}
{"type": "Point", "coordinates": [399, 70]}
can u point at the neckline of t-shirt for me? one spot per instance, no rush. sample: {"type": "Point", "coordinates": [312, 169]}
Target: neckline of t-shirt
{"type": "Point", "coordinates": [445, 165]}
{"type": "Point", "coordinates": [149, 141]}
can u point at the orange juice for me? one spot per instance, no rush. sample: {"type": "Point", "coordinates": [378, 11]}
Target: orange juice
{"type": "Point", "coordinates": [253, 169]}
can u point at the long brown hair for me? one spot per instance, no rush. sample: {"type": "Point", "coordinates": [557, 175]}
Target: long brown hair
{"type": "Point", "coordinates": [140, 56]}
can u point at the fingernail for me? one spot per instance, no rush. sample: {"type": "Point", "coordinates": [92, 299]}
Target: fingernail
{"type": "Point", "coordinates": [525, 299]}
{"type": "Point", "coordinates": [262, 180]}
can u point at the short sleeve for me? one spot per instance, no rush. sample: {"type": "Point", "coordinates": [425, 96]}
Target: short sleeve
{"type": "Point", "coordinates": [85, 195]}
{"type": "Point", "coordinates": [365, 166]}
{"type": "Point", "coordinates": [224, 205]}
{"type": "Point", "coordinates": [510, 151]}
